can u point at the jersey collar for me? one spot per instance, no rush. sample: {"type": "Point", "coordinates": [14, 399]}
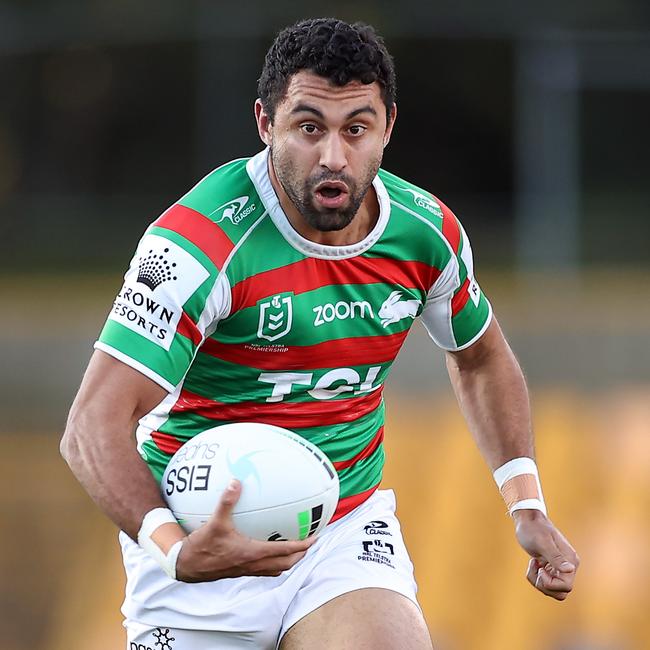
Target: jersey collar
{"type": "Point", "coordinates": [257, 168]}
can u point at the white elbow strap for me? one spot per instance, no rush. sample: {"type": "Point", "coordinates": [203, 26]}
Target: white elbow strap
{"type": "Point", "coordinates": [518, 482]}
{"type": "Point", "coordinates": [161, 543]}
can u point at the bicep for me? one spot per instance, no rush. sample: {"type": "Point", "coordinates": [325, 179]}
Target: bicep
{"type": "Point", "coordinates": [489, 346]}
{"type": "Point", "coordinates": [112, 391]}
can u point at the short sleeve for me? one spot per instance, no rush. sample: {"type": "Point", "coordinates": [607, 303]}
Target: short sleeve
{"type": "Point", "coordinates": [456, 311]}
{"type": "Point", "coordinates": [172, 295]}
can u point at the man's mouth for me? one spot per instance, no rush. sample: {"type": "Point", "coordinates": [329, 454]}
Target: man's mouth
{"type": "Point", "coordinates": [331, 194]}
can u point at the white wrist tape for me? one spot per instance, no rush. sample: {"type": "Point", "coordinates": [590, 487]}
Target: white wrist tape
{"type": "Point", "coordinates": [518, 482]}
{"type": "Point", "coordinates": [153, 520]}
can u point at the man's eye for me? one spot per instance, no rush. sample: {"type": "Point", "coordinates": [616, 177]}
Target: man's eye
{"type": "Point", "coordinates": [309, 128]}
{"type": "Point", "coordinates": [357, 129]}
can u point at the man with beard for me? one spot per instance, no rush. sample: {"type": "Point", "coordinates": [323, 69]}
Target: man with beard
{"type": "Point", "coordinates": [279, 290]}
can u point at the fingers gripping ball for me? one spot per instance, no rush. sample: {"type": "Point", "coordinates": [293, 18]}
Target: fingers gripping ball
{"type": "Point", "coordinates": [290, 489]}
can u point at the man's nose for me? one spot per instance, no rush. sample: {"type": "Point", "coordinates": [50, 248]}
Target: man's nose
{"type": "Point", "coordinates": [333, 154]}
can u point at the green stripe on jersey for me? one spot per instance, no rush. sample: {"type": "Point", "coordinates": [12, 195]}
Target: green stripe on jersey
{"type": "Point", "coordinates": [171, 366]}
{"type": "Point", "coordinates": [324, 314]}
{"type": "Point", "coordinates": [469, 321]}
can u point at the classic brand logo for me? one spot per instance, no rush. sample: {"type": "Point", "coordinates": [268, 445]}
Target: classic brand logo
{"type": "Point", "coordinates": [377, 527]}
{"type": "Point", "coordinates": [234, 210]}
{"type": "Point", "coordinates": [426, 202]}
{"type": "Point", "coordinates": [394, 309]}
{"type": "Point", "coordinates": [276, 316]}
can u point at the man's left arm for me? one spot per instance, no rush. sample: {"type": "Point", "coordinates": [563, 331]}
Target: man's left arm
{"type": "Point", "coordinates": [493, 397]}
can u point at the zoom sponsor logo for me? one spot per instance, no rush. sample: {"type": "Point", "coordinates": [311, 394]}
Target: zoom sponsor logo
{"type": "Point", "coordinates": [342, 311]}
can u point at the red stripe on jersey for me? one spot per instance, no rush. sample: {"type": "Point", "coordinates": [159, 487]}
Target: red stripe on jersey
{"type": "Point", "coordinates": [363, 350]}
{"type": "Point", "coordinates": [282, 414]}
{"type": "Point", "coordinates": [368, 450]}
{"type": "Point", "coordinates": [450, 227]}
{"type": "Point", "coordinates": [312, 273]}
{"type": "Point", "coordinates": [188, 329]}
{"type": "Point", "coordinates": [348, 504]}
{"type": "Point", "coordinates": [198, 229]}
{"type": "Point", "coordinates": [461, 298]}
{"type": "Point", "coordinates": [166, 442]}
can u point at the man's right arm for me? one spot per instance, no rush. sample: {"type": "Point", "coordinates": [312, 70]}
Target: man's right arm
{"type": "Point", "coordinates": [99, 446]}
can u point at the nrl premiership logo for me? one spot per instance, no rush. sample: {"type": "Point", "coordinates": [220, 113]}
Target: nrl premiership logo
{"type": "Point", "coordinates": [276, 316]}
{"type": "Point", "coordinates": [425, 202]}
{"type": "Point", "coordinates": [234, 210]}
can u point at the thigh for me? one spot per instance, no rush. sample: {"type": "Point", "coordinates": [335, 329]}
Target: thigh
{"type": "Point", "coordinates": [365, 557]}
{"type": "Point", "coordinates": [374, 619]}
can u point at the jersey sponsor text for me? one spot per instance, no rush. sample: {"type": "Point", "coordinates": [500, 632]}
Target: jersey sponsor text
{"type": "Point", "coordinates": [149, 305]}
{"type": "Point", "coordinates": [342, 311]}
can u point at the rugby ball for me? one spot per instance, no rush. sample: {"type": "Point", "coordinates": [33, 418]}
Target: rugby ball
{"type": "Point", "coordinates": [290, 489]}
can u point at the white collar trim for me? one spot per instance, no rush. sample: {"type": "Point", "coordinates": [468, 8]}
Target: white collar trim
{"type": "Point", "coordinates": [257, 168]}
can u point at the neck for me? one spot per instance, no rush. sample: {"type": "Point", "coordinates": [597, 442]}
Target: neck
{"type": "Point", "coordinates": [357, 230]}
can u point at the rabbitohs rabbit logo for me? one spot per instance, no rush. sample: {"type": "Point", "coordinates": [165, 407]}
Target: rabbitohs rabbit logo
{"type": "Point", "coordinates": [394, 309]}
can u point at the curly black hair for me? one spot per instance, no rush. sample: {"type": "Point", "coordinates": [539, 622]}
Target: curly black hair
{"type": "Point", "coordinates": [332, 49]}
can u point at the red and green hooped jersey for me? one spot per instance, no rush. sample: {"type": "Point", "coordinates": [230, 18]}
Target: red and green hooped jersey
{"type": "Point", "coordinates": [241, 319]}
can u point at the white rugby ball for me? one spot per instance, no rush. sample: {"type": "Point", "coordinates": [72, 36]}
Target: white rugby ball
{"type": "Point", "coordinates": [290, 489]}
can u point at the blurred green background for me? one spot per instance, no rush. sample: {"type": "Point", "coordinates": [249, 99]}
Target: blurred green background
{"type": "Point", "coordinates": [530, 121]}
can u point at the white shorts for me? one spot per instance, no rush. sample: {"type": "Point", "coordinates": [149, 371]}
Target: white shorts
{"type": "Point", "coordinates": [363, 549]}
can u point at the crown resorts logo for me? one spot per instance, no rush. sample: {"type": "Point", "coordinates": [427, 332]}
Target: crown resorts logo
{"type": "Point", "coordinates": [155, 269]}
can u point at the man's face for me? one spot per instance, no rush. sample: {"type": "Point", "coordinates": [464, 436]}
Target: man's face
{"type": "Point", "coordinates": [326, 146]}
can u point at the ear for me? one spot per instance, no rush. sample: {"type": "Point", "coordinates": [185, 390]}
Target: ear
{"type": "Point", "coordinates": [390, 124]}
{"type": "Point", "coordinates": [264, 124]}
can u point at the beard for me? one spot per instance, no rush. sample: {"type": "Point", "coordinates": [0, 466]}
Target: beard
{"type": "Point", "coordinates": [301, 191]}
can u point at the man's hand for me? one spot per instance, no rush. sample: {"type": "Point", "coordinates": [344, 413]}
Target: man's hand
{"type": "Point", "coordinates": [217, 550]}
{"type": "Point", "coordinates": [554, 562]}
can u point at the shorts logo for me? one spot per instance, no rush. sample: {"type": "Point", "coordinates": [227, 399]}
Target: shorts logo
{"type": "Point", "coordinates": [426, 202]}
{"type": "Point", "coordinates": [395, 309]}
{"type": "Point", "coordinates": [377, 528]}
{"type": "Point", "coordinates": [163, 639]}
{"type": "Point", "coordinates": [234, 210]}
{"type": "Point", "coordinates": [374, 550]}
{"type": "Point", "coordinates": [276, 316]}
{"type": "Point", "coordinates": [154, 269]}
{"type": "Point", "coordinates": [378, 546]}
